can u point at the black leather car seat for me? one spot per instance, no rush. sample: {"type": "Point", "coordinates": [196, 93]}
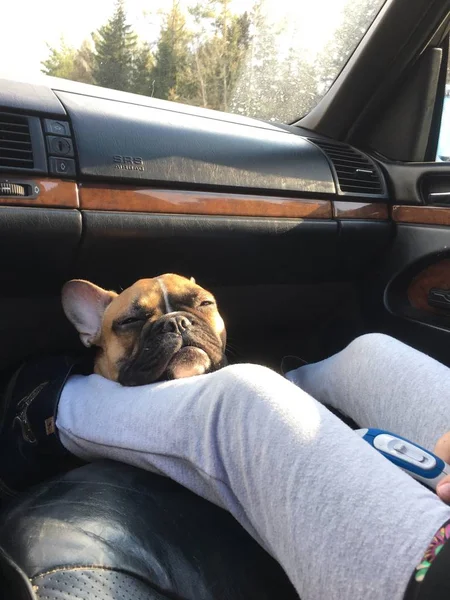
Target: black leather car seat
{"type": "Point", "coordinates": [108, 531]}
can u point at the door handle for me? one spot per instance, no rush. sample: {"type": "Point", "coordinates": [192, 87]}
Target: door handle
{"type": "Point", "coordinates": [439, 198]}
{"type": "Point", "coordinates": [439, 298]}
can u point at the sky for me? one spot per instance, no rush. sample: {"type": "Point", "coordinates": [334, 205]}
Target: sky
{"type": "Point", "coordinates": [32, 24]}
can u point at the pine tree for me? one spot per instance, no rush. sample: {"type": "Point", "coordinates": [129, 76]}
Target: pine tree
{"type": "Point", "coordinates": [232, 39]}
{"type": "Point", "coordinates": [278, 82]}
{"type": "Point", "coordinates": [69, 63]}
{"type": "Point", "coordinates": [356, 18]}
{"type": "Point", "coordinates": [237, 46]}
{"type": "Point", "coordinates": [220, 51]}
{"type": "Point", "coordinates": [115, 45]}
{"type": "Point", "coordinates": [298, 92]}
{"type": "Point", "coordinates": [172, 78]}
{"type": "Point", "coordinates": [83, 64]}
{"type": "Point", "coordinates": [142, 74]}
{"type": "Point", "coordinates": [200, 67]}
{"type": "Point", "coordinates": [201, 60]}
{"type": "Point", "coordinates": [257, 92]}
{"type": "Point", "coordinates": [60, 61]}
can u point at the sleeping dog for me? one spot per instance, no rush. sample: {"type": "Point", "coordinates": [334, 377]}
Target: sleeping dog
{"type": "Point", "coordinates": [163, 328]}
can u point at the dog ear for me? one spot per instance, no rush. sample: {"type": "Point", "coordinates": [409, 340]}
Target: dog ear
{"type": "Point", "coordinates": [84, 304]}
{"type": "Point", "coordinates": [192, 280]}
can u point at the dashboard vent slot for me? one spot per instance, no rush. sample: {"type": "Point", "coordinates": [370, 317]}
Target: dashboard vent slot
{"type": "Point", "coordinates": [355, 172]}
{"type": "Point", "coordinates": [15, 142]}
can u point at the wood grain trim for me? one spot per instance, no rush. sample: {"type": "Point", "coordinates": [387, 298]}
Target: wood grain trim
{"type": "Point", "coordinates": [150, 200]}
{"type": "Point", "coordinates": [360, 210]}
{"type": "Point", "coordinates": [424, 215]}
{"type": "Point", "coordinates": [55, 193]}
{"type": "Point", "coordinates": [434, 276]}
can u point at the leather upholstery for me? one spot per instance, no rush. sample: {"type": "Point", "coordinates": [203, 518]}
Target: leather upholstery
{"type": "Point", "coordinates": [98, 583]}
{"type": "Point", "coordinates": [110, 531]}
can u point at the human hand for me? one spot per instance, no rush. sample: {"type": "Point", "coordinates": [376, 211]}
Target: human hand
{"type": "Point", "coordinates": [442, 449]}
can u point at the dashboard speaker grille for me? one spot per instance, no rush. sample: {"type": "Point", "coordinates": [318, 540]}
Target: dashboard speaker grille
{"type": "Point", "coordinates": [15, 142]}
{"type": "Point", "coordinates": [356, 173]}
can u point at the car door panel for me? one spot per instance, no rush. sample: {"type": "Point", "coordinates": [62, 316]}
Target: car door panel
{"type": "Point", "coordinates": [397, 295]}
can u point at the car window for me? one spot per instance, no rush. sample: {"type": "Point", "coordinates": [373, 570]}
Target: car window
{"type": "Point", "coordinates": [271, 59]}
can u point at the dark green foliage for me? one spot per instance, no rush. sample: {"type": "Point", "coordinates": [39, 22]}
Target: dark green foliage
{"type": "Point", "coordinates": [115, 48]}
{"type": "Point", "coordinates": [247, 63]}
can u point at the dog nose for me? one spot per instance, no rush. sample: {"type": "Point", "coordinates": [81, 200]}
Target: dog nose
{"type": "Point", "coordinates": [176, 324]}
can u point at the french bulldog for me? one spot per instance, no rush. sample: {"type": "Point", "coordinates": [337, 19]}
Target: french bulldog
{"type": "Point", "coordinates": [162, 328]}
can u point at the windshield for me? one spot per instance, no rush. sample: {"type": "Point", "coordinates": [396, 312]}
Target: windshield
{"type": "Point", "coordinates": [270, 59]}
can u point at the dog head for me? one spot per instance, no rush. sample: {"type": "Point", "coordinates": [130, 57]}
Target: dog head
{"type": "Point", "coordinates": [163, 328]}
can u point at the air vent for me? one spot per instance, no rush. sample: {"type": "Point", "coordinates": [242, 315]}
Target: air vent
{"type": "Point", "coordinates": [15, 142]}
{"type": "Point", "coordinates": [355, 172]}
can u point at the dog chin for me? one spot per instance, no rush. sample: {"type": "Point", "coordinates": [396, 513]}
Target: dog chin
{"type": "Point", "coordinates": [187, 362]}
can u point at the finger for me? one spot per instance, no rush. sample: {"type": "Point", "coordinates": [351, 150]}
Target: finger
{"type": "Point", "coordinates": [442, 448]}
{"type": "Point", "coordinates": [443, 489]}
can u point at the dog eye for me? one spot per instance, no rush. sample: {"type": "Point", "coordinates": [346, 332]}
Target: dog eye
{"type": "Point", "coordinates": [207, 303]}
{"type": "Point", "coordinates": [130, 321]}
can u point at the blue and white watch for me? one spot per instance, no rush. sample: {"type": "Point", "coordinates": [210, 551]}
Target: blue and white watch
{"type": "Point", "coordinates": [421, 464]}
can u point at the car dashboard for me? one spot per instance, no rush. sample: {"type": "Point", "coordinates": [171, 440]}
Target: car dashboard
{"type": "Point", "coordinates": [111, 186]}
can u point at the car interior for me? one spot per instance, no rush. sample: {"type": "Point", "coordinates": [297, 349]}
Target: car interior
{"type": "Point", "coordinates": [308, 234]}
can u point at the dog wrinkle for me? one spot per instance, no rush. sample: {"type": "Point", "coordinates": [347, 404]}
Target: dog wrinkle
{"type": "Point", "coordinates": [163, 295]}
{"type": "Point", "coordinates": [162, 285]}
